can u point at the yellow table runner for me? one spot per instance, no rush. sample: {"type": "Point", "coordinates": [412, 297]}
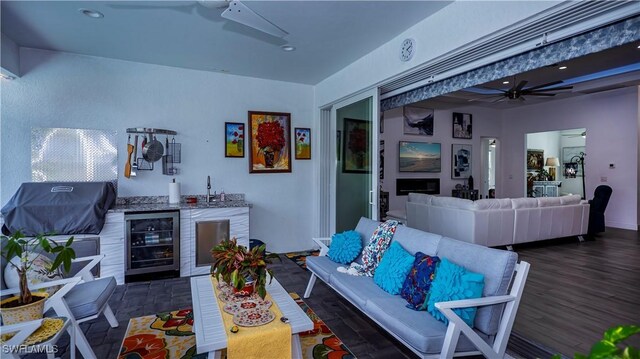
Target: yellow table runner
{"type": "Point", "coordinates": [272, 339]}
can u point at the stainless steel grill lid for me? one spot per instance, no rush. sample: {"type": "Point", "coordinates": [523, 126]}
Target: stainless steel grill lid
{"type": "Point", "coordinates": [59, 208]}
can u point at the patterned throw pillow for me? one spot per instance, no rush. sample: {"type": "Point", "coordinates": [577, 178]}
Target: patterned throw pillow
{"type": "Point", "coordinates": [393, 268]}
{"type": "Point", "coordinates": [454, 282]}
{"type": "Point", "coordinates": [345, 247]}
{"type": "Point", "coordinates": [418, 282]}
{"type": "Point", "coordinates": [38, 273]}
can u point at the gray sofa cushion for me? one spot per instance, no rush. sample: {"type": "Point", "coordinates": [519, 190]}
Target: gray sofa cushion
{"type": "Point", "coordinates": [418, 328]}
{"type": "Point", "coordinates": [496, 265]}
{"type": "Point", "coordinates": [356, 289]}
{"type": "Point", "coordinates": [414, 240]}
{"type": "Point", "coordinates": [86, 299]}
{"type": "Point", "coordinates": [322, 266]}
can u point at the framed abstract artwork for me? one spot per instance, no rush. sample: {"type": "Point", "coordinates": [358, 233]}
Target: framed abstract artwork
{"type": "Point", "coordinates": [462, 125]}
{"type": "Point", "coordinates": [417, 120]}
{"type": "Point", "coordinates": [270, 150]}
{"type": "Point", "coordinates": [355, 149]}
{"type": "Point", "coordinates": [303, 143]}
{"type": "Point", "coordinates": [420, 157]}
{"type": "Point", "coordinates": [233, 139]}
{"type": "Point", "coordinates": [460, 161]}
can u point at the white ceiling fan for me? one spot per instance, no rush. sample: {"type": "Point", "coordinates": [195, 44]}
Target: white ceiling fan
{"type": "Point", "coordinates": [239, 12]}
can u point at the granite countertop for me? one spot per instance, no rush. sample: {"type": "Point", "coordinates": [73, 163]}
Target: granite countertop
{"type": "Point", "coordinates": [166, 206]}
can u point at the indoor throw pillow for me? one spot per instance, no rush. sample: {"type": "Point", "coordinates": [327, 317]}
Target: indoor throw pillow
{"type": "Point", "coordinates": [418, 282]}
{"type": "Point", "coordinates": [454, 282]}
{"type": "Point", "coordinates": [345, 247]}
{"type": "Point", "coordinates": [393, 268]}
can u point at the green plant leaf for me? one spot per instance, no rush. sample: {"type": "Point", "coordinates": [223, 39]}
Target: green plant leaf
{"type": "Point", "coordinates": [620, 333]}
{"type": "Point", "coordinates": [603, 349]}
{"type": "Point", "coordinates": [69, 241]}
{"type": "Point", "coordinates": [631, 353]}
{"type": "Point", "coordinates": [556, 356]}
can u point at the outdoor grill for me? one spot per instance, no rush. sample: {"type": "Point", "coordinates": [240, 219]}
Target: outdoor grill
{"type": "Point", "coordinates": [59, 208]}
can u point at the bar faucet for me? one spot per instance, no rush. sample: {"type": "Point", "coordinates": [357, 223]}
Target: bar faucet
{"type": "Point", "coordinates": [208, 189]}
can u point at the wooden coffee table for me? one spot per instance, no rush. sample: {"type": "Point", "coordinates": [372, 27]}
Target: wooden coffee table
{"type": "Point", "coordinates": [211, 335]}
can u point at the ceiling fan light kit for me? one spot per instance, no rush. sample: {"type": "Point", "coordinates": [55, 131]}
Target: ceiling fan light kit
{"type": "Point", "coordinates": [240, 13]}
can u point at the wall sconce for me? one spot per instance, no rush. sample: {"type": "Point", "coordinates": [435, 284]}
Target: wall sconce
{"type": "Point", "coordinates": [552, 163]}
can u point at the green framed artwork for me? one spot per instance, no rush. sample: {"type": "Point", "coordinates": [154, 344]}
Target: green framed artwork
{"type": "Point", "coordinates": [233, 139]}
{"type": "Point", "coordinates": [303, 143]}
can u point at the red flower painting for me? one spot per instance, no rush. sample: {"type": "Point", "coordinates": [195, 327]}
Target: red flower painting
{"type": "Point", "coordinates": [271, 135]}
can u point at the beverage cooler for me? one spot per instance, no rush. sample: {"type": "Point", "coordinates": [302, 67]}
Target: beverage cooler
{"type": "Point", "coordinates": [153, 242]}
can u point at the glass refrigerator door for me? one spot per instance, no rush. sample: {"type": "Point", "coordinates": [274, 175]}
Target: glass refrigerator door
{"type": "Point", "coordinates": [152, 242]}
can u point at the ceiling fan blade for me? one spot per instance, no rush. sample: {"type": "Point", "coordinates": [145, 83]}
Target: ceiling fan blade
{"type": "Point", "coordinates": [500, 100]}
{"type": "Point", "coordinates": [545, 85]}
{"type": "Point", "coordinates": [522, 99]}
{"type": "Point", "coordinates": [487, 97]}
{"type": "Point", "coordinates": [240, 13]}
{"type": "Point", "coordinates": [521, 85]}
{"type": "Point", "coordinates": [551, 89]}
{"type": "Point", "coordinates": [540, 94]}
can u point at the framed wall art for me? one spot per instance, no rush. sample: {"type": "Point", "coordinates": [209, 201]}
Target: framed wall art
{"type": "Point", "coordinates": [233, 139]}
{"type": "Point", "coordinates": [303, 143]}
{"type": "Point", "coordinates": [572, 169]}
{"type": "Point", "coordinates": [460, 161]}
{"type": "Point", "coordinates": [355, 147]}
{"type": "Point", "coordinates": [420, 157]}
{"type": "Point", "coordinates": [270, 150]}
{"type": "Point", "coordinates": [462, 125]}
{"type": "Point", "coordinates": [417, 120]}
{"type": "Point", "coordinates": [535, 160]}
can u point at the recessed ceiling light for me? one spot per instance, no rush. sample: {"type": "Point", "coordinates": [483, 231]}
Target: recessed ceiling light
{"type": "Point", "coordinates": [505, 82]}
{"type": "Point", "coordinates": [288, 48]}
{"type": "Point", "coordinates": [562, 68]}
{"type": "Point", "coordinates": [7, 77]}
{"type": "Point", "coordinates": [91, 13]}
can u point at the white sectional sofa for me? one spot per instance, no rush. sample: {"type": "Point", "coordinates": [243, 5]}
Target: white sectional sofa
{"type": "Point", "coordinates": [499, 221]}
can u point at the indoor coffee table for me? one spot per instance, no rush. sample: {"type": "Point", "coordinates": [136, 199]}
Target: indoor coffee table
{"type": "Point", "coordinates": [211, 335]}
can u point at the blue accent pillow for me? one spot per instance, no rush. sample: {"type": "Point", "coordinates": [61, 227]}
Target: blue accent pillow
{"type": "Point", "coordinates": [393, 268]}
{"type": "Point", "coordinates": [345, 247]}
{"type": "Point", "coordinates": [454, 282]}
{"type": "Point", "coordinates": [416, 285]}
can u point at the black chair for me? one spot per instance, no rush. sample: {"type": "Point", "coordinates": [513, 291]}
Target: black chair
{"type": "Point", "coordinates": [596, 210]}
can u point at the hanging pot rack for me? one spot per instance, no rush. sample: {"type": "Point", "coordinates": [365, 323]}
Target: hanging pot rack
{"type": "Point", "coordinates": [151, 131]}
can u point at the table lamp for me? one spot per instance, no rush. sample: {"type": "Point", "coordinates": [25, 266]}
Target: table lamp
{"type": "Point", "coordinates": [552, 163]}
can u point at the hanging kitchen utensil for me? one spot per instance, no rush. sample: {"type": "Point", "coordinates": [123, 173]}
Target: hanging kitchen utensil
{"type": "Point", "coordinates": [174, 149]}
{"type": "Point", "coordinates": [134, 165]}
{"type": "Point", "coordinates": [167, 166]}
{"type": "Point", "coordinates": [144, 165]}
{"type": "Point", "coordinates": [127, 166]}
{"type": "Point", "coordinates": [153, 150]}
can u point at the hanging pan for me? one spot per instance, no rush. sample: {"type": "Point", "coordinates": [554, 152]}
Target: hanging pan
{"type": "Point", "coordinates": [153, 150]}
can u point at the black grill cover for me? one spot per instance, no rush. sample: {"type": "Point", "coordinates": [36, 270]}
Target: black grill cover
{"type": "Point", "coordinates": [58, 208]}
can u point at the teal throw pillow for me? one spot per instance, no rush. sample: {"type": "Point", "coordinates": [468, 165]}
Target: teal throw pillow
{"type": "Point", "coordinates": [393, 269]}
{"type": "Point", "coordinates": [345, 247]}
{"type": "Point", "coordinates": [454, 282]}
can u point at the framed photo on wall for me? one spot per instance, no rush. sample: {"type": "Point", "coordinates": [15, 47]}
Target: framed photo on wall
{"type": "Point", "coordinates": [417, 120]}
{"type": "Point", "coordinates": [460, 161]}
{"type": "Point", "coordinates": [462, 125]}
{"type": "Point", "coordinates": [303, 143]}
{"type": "Point", "coordinates": [233, 139]}
{"type": "Point", "coordinates": [535, 160]}
{"type": "Point", "coordinates": [420, 157]}
{"type": "Point", "coordinates": [355, 147]}
{"type": "Point", "coordinates": [270, 150]}
{"type": "Point", "coordinates": [572, 170]}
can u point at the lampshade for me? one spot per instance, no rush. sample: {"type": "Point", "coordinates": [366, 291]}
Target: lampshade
{"type": "Point", "coordinates": [552, 162]}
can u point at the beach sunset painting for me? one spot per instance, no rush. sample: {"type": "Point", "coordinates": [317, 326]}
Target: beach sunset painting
{"type": "Point", "coordinates": [420, 157]}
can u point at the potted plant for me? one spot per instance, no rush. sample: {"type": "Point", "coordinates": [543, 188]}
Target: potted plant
{"type": "Point", "coordinates": [245, 270]}
{"type": "Point", "coordinates": [27, 305]}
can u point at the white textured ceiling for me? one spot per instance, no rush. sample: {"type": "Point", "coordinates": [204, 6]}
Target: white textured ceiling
{"type": "Point", "coordinates": [328, 35]}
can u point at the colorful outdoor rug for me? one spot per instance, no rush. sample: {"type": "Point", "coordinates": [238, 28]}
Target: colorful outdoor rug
{"type": "Point", "coordinates": [169, 336]}
{"type": "Point", "coordinates": [300, 258]}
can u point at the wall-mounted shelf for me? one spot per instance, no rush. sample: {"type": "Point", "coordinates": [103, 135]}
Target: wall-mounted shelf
{"type": "Point", "coordinates": [152, 131]}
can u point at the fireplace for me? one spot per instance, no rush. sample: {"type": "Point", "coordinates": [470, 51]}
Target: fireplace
{"type": "Point", "coordinates": [404, 186]}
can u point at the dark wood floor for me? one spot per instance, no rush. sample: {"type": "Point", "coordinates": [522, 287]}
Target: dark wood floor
{"type": "Point", "coordinates": [576, 291]}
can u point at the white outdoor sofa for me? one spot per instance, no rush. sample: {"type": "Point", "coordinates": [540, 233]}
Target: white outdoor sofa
{"type": "Point", "coordinates": [418, 330]}
{"type": "Point", "coordinates": [499, 221]}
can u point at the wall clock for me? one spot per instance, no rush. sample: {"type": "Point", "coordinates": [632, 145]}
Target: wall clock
{"type": "Point", "coordinates": [407, 49]}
